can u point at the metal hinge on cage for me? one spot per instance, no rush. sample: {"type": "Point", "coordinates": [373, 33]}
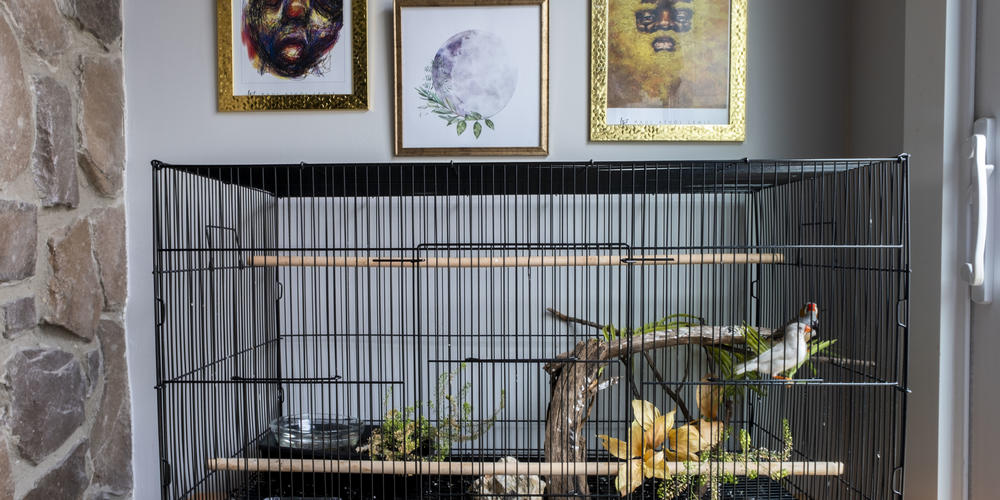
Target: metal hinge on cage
{"type": "Point", "coordinates": [164, 473]}
{"type": "Point", "coordinates": [160, 313]}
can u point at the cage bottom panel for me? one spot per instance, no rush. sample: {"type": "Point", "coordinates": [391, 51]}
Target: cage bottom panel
{"type": "Point", "coordinates": [298, 486]}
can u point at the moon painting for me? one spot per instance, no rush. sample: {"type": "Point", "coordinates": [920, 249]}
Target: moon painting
{"type": "Point", "coordinates": [471, 79]}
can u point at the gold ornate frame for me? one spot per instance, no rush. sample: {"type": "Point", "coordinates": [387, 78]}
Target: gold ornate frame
{"type": "Point", "coordinates": [358, 99]}
{"type": "Point", "coordinates": [735, 130]}
{"type": "Point", "coordinates": [543, 140]}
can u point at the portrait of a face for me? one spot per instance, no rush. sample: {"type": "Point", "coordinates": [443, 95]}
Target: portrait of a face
{"type": "Point", "coordinates": [291, 38]}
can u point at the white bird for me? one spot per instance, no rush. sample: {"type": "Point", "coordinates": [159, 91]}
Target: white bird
{"type": "Point", "coordinates": [783, 356]}
{"type": "Point", "coordinates": [808, 315]}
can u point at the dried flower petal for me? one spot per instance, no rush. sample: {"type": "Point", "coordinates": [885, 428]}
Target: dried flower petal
{"type": "Point", "coordinates": [710, 434]}
{"type": "Point", "coordinates": [655, 465]}
{"type": "Point", "coordinates": [657, 433]}
{"type": "Point", "coordinates": [629, 476]}
{"type": "Point", "coordinates": [709, 398]}
{"type": "Point", "coordinates": [684, 441]}
{"type": "Point", "coordinates": [617, 447]}
{"type": "Point", "coordinates": [635, 440]}
{"type": "Point", "coordinates": [645, 412]}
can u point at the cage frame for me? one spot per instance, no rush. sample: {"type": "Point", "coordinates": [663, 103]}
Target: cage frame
{"type": "Point", "coordinates": [592, 179]}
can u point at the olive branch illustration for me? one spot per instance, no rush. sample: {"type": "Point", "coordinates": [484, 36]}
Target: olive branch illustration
{"type": "Point", "coordinates": [444, 109]}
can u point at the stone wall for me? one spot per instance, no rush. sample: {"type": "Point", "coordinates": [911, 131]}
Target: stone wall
{"type": "Point", "coordinates": [65, 429]}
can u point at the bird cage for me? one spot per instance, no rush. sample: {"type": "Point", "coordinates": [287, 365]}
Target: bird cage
{"type": "Point", "coordinates": [696, 329]}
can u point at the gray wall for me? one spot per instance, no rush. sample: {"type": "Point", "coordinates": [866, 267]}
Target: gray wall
{"type": "Point", "coordinates": [875, 83]}
{"type": "Point", "coordinates": [798, 102]}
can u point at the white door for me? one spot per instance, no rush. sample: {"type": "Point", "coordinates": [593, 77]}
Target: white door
{"type": "Point", "coordinates": [984, 411]}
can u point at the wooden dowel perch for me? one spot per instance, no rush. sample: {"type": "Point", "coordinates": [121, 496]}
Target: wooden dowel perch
{"type": "Point", "coordinates": [517, 261]}
{"type": "Point", "coordinates": [549, 469]}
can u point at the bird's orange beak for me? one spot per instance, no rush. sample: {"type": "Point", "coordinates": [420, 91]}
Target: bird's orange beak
{"type": "Point", "coordinates": [808, 329]}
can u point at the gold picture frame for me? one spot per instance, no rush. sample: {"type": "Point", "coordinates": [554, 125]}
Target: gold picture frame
{"type": "Point", "coordinates": [655, 94]}
{"type": "Point", "coordinates": [344, 88]}
{"type": "Point", "coordinates": [439, 120]}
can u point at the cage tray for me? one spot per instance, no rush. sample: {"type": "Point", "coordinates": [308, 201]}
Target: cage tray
{"type": "Point", "coordinates": [385, 487]}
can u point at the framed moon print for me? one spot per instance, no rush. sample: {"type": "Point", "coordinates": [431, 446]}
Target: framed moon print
{"type": "Point", "coordinates": [668, 70]}
{"type": "Point", "coordinates": [471, 77]}
{"type": "Point", "coordinates": [292, 54]}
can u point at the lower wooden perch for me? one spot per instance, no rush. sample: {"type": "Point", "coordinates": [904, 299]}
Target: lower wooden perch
{"type": "Point", "coordinates": [548, 469]}
{"type": "Point", "coordinates": [517, 261]}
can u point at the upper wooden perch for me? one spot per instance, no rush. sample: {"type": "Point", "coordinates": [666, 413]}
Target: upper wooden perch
{"type": "Point", "coordinates": [517, 261]}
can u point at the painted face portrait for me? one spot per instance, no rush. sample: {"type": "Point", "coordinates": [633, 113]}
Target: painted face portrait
{"type": "Point", "coordinates": [291, 38]}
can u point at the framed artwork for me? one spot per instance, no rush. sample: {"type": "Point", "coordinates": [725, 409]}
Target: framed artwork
{"type": "Point", "coordinates": [668, 70]}
{"type": "Point", "coordinates": [292, 54]}
{"type": "Point", "coordinates": [471, 77]}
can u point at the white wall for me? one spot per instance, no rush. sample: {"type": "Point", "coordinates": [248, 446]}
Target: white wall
{"type": "Point", "coordinates": [797, 107]}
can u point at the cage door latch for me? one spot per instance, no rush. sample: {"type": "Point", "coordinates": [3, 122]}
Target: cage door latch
{"type": "Point", "coordinates": [977, 272]}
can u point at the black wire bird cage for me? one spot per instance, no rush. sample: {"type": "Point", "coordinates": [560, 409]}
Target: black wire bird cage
{"type": "Point", "coordinates": [708, 329]}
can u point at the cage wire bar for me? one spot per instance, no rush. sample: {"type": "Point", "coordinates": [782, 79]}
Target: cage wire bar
{"type": "Point", "coordinates": [348, 331]}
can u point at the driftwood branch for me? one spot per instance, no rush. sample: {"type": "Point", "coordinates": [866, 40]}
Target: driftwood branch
{"type": "Point", "coordinates": [625, 360]}
{"type": "Point", "coordinates": [573, 386]}
{"type": "Point", "coordinates": [570, 319]}
{"type": "Point", "coordinates": [719, 336]}
{"type": "Point", "coordinates": [688, 335]}
{"type": "Point", "coordinates": [572, 381]}
{"type": "Point", "coordinates": [670, 391]}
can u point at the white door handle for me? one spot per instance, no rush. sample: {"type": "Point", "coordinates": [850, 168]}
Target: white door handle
{"type": "Point", "coordinates": [975, 272]}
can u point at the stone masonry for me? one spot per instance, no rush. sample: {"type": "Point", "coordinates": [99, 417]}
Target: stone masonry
{"type": "Point", "coordinates": [65, 423]}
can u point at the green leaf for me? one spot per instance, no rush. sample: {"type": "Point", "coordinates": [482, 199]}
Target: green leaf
{"type": "Point", "coordinates": [814, 349]}
{"type": "Point", "coordinates": [477, 128]}
{"type": "Point", "coordinates": [723, 359]}
{"type": "Point", "coordinates": [818, 347]}
{"type": "Point", "coordinates": [489, 123]}
{"type": "Point", "coordinates": [754, 340]}
{"type": "Point", "coordinates": [694, 319]}
{"type": "Point", "coordinates": [461, 127]}
{"type": "Point", "coordinates": [476, 116]}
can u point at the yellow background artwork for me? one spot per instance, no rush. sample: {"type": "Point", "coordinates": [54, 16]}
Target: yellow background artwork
{"type": "Point", "coordinates": [694, 75]}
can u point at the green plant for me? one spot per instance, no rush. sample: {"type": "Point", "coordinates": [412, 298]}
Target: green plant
{"type": "Point", "coordinates": [401, 436]}
{"type": "Point", "coordinates": [406, 434]}
{"type": "Point", "coordinates": [609, 332]}
{"type": "Point", "coordinates": [686, 482]}
{"type": "Point", "coordinates": [455, 422]}
{"type": "Point", "coordinates": [815, 347]}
